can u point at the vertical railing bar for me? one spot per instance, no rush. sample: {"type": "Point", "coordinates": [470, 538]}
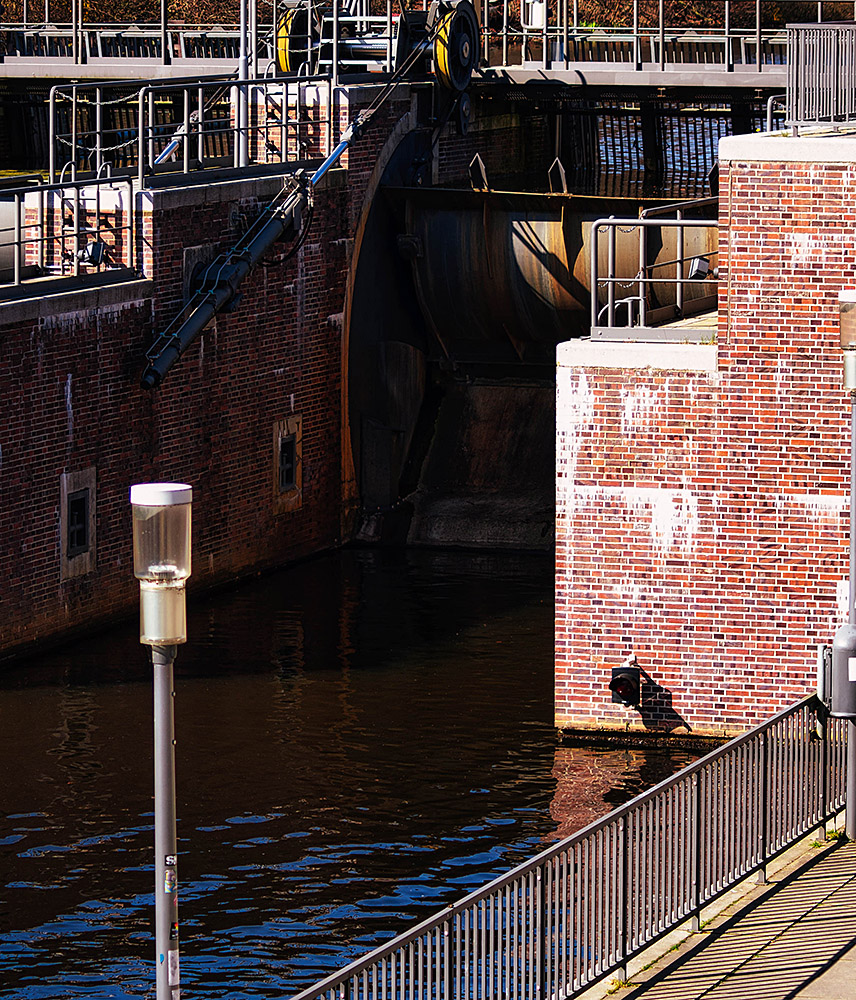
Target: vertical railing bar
{"type": "Point", "coordinates": [19, 248]}
{"type": "Point", "coordinates": [763, 767]}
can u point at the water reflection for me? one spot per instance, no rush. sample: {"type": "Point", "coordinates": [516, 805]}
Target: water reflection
{"type": "Point", "coordinates": [360, 740]}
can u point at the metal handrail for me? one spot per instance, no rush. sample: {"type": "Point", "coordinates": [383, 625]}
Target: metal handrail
{"type": "Point", "coordinates": [52, 224]}
{"type": "Point", "coordinates": [582, 908]}
{"type": "Point", "coordinates": [641, 278]}
{"type": "Point", "coordinates": [195, 122]}
{"type": "Point", "coordinates": [821, 75]}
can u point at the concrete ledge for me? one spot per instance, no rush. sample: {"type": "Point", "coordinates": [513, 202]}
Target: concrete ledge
{"type": "Point", "coordinates": [632, 354]}
{"type": "Point", "coordinates": [99, 297]}
{"type": "Point", "coordinates": [782, 147]}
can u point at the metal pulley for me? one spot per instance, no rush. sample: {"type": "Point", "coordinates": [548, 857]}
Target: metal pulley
{"type": "Point", "coordinates": [457, 45]}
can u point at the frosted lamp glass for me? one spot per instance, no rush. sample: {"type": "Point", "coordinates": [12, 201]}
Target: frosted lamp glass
{"type": "Point", "coordinates": [161, 532]}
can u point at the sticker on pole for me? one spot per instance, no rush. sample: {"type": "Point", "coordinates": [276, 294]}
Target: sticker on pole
{"type": "Point", "coordinates": [173, 967]}
{"type": "Point", "coordinates": [170, 880]}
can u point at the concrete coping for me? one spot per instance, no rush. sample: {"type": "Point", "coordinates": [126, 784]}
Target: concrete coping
{"type": "Point", "coordinates": [826, 146]}
{"type": "Point", "coordinates": [49, 304]}
{"type": "Point", "coordinates": [637, 354]}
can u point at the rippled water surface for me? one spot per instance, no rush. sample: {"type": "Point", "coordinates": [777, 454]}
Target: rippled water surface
{"type": "Point", "coordinates": [361, 739]}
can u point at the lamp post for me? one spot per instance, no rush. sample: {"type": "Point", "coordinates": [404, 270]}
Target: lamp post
{"type": "Point", "coordinates": [843, 700]}
{"type": "Point", "coordinates": [161, 517]}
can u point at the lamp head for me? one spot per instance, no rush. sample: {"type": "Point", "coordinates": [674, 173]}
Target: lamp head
{"type": "Point", "coordinates": [161, 515]}
{"type": "Point", "coordinates": [847, 325]}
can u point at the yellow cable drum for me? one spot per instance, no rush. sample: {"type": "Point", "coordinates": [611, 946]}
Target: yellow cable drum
{"type": "Point", "coordinates": [457, 46]}
{"type": "Point", "coordinates": [297, 34]}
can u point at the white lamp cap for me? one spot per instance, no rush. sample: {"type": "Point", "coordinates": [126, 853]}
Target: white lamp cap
{"type": "Point", "coordinates": [847, 295]}
{"type": "Point", "coordinates": [161, 494]}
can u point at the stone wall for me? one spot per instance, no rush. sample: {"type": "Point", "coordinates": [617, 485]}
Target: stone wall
{"type": "Point", "coordinates": [702, 490]}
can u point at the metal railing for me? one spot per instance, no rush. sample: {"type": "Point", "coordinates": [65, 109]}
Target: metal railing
{"type": "Point", "coordinates": [582, 908]}
{"type": "Point", "coordinates": [66, 229]}
{"type": "Point", "coordinates": [188, 125]}
{"type": "Point", "coordinates": [674, 279]}
{"type": "Point", "coordinates": [528, 32]}
{"type": "Point", "coordinates": [821, 75]}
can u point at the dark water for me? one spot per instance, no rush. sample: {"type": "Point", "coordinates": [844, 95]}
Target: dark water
{"type": "Point", "coordinates": [361, 740]}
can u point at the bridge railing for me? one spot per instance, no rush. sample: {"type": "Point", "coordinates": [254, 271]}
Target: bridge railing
{"type": "Point", "coordinates": [638, 282]}
{"type": "Point", "coordinates": [581, 909]}
{"type": "Point", "coordinates": [187, 125]}
{"type": "Point", "coordinates": [549, 34]}
{"type": "Point", "coordinates": [821, 75]}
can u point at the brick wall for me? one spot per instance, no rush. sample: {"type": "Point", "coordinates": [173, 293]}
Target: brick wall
{"type": "Point", "coordinates": [73, 408]}
{"type": "Point", "coordinates": [702, 490]}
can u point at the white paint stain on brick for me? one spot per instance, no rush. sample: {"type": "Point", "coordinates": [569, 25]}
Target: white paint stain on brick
{"type": "Point", "coordinates": [69, 409]}
{"type": "Point", "coordinates": [639, 408]}
{"type": "Point", "coordinates": [671, 516]}
{"type": "Point", "coordinates": [575, 415]}
{"type": "Point", "coordinates": [818, 506]}
{"type": "Point", "coordinates": [842, 599]}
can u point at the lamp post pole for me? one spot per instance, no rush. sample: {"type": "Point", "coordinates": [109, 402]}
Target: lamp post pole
{"type": "Point", "coordinates": [166, 852]}
{"type": "Point", "coordinates": [161, 516]}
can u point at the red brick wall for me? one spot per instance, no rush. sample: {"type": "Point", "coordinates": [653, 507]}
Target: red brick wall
{"type": "Point", "coordinates": [702, 516]}
{"type": "Point", "coordinates": [72, 402]}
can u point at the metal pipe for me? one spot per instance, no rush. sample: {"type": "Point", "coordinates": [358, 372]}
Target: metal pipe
{"type": "Point", "coordinates": [165, 55]}
{"type": "Point", "coordinates": [254, 39]}
{"type": "Point", "coordinates": [663, 34]}
{"type": "Point", "coordinates": [758, 53]}
{"type": "Point", "coordinates": [389, 36]}
{"type": "Point", "coordinates": [335, 67]}
{"type": "Point", "coordinates": [637, 41]}
{"type": "Point", "coordinates": [52, 137]}
{"type": "Point", "coordinates": [729, 54]}
{"type": "Point", "coordinates": [241, 108]}
{"type": "Point", "coordinates": [141, 142]}
{"type": "Point", "coordinates": [166, 869]}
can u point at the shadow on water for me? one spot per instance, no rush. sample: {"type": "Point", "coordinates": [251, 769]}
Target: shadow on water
{"type": "Point", "coordinates": [361, 740]}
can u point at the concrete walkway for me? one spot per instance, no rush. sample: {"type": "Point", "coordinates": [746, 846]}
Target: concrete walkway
{"type": "Point", "coordinates": [791, 939]}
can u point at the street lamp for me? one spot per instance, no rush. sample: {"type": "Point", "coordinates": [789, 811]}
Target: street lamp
{"type": "Point", "coordinates": [161, 516]}
{"type": "Point", "coordinates": [843, 694]}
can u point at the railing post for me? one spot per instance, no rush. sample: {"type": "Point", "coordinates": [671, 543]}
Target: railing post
{"type": "Point", "coordinates": [141, 143]}
{"type": "Point", "coordinates": [663, 35]}
{"type": "Point", "coordinates": [610, 271]}
{"type": "Point", "coordinates": [624, 906]}
{"type": "Point", "coordinates": [823, 727]}
{"type": "Point", "coordinates": [764, 805]}
{"type": "Point", "coordinates": [729, 55]}
{"type": "Point", "coordinates": [696, 853]}
{"type": "Point", "coordinates": [19, 210]}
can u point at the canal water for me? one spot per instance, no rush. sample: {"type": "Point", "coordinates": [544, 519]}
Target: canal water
{"type": "Point", "coordinates": [360, 740]}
